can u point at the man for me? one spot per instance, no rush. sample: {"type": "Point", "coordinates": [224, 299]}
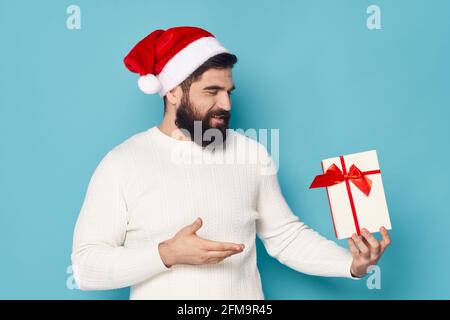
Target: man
{"type": "Point", "coordinates": [177, 229]}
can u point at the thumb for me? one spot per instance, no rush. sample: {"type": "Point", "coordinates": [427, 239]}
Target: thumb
{"type": "Point", "coordinates": [197, 224]}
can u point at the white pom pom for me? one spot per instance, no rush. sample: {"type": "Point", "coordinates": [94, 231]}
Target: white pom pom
{"type": "Point", "coordinates": [149, 84]}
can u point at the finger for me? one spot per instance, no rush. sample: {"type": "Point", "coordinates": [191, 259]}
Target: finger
{"type": "Point", "coordinates": [221, 246]}
{"type": "Point", "coordinates": [360, 245]}
{"type": "Point", "coordinates": [214, 261]}
{"type": "Point", "coordinates": [386, 239]}
{"type": "Point", "coordinates": [374, 245]}
{"type": "Point", "coordinates": [353, 249]}
{"type": "Point", "coordinates": [365, 241]}
{"type": "Point", "coordinates": [222, 254]}
{"type": "Point", "coordinates": [195, 226]}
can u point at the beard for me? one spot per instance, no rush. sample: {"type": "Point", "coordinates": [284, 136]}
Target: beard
{"type": "Point", "coordinates": [203, 130]}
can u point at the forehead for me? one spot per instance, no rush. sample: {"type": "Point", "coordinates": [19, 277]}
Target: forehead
{"type": "Point", "coordinates": [221, 77]}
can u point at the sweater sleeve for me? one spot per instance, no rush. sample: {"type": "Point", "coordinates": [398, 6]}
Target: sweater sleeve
{"type": "Point", "coordinates": [99, 259]}
{"type": "Point", "coordinates": [288, 239]}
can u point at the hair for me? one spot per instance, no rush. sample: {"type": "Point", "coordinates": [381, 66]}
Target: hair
{"type": "Point", "coordinates": [220, 61]}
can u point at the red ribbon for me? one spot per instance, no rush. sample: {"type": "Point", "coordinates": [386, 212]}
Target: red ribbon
{"type": "Point", "coordinates": [333, 175]}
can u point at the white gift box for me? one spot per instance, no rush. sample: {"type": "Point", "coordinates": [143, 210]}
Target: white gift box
{"type": "Point", "coordinates": [355, 193]}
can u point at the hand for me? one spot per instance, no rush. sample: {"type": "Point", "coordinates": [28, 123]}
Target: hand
{"type": "Point", "coordinates": [367, 250]}
{"type": "Point", "coordinates": [188, 248]}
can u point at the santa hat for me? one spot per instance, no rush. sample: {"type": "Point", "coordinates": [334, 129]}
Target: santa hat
{"type": "Point", "coordinates": [165, 58]}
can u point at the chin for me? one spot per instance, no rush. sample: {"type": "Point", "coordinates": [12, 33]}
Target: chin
{"type": "Point", "coordinates": [217, 126]}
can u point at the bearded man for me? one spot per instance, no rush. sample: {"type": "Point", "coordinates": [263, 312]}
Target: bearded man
{"type": "Point", "coordinates": [187, 229]}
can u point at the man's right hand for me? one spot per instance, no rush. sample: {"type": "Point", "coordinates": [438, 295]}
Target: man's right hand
{"type": "Point", "coordinates": [188, 248]}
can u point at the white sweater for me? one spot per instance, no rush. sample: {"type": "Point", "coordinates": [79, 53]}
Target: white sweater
{"type": "Point", "coordinates": [145, 189]}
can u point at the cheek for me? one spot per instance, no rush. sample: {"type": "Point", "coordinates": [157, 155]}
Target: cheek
{"type": "Point", "coordinates": [205, 104]}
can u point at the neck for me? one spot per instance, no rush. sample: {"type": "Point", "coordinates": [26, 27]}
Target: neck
{"type": "Point", "coordinates": [168, 127]}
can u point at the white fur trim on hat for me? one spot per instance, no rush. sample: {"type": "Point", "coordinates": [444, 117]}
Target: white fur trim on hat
{"type": "Point", "coordinates": [187, 61]}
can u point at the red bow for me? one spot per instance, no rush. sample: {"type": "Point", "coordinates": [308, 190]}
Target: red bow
{"type": "Point", "coordinates": [334, 175]}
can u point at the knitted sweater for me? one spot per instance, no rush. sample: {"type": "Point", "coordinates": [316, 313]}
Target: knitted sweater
{"type": "Point", "coordinates": [151, 185]}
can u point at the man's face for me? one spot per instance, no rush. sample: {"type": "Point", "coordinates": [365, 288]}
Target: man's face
{"type": "Point", "coordinates": [208, 104]}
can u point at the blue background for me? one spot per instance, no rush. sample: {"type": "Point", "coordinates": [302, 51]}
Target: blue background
{"type": "Point", "coordinates": [310, 68]}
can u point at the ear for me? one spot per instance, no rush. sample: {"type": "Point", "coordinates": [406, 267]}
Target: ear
{"type": "Point", "coordinates": [174, 96]}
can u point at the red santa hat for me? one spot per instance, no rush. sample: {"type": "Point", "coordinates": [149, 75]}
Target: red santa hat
{"type": "Point", "coordinates": [165, 58]}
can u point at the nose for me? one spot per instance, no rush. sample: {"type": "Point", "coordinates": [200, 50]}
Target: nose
{"type": "Point", "coordinates": [224, 101]}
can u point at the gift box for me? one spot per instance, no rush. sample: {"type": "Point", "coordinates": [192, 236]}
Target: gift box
{"type": "Point", "coordinates": [355, 193]}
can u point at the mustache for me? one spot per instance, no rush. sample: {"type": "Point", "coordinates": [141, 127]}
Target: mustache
{"type": "Point", "coordinates": [225, 114]}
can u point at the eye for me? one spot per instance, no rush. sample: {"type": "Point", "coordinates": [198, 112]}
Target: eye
{"type": "Point", "coordinates": [212, 93]}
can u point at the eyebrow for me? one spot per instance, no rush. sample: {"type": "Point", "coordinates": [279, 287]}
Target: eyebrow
{"type": "Point", "coordinates": [218, 88]}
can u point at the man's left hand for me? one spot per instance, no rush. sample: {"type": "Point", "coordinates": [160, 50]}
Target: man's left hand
{"type": "Point", "coordinates": [367, 250]}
